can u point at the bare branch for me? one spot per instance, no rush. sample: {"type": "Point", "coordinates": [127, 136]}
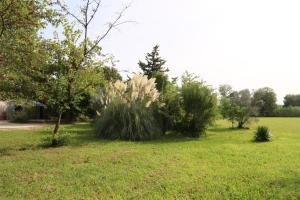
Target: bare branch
{"type": "Point", "coordinates": [94, 11]}
{"type": "Point", "coordinates": [65, 9]}
{"type": "Point", "coordinates": [111, 25]}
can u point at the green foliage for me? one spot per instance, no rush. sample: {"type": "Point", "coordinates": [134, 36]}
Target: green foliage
{"type": "Point", "coordinates": [262, 134]}
{"type": "Point", "coordinates": [126, 110]}
{"type": "Point", "coordinates": [111, 74]}
{"type": "Point", "coordinates": [154, 68]}
{"type": "Point", "coordinates": [20, 112]}
{"type": "Point", "coordinates": [57, 140]}
{"type": "Point", "coordinates": [292, 100]}
{"type": "Point", "coordinates": [127, 122]}
{"type": "Point", "coordinates": [290, 111]}
{"type": "Point", "coordinates": [265, 101]}
{"type": "Point", "coordinates": [237, 107]}
{"type": "Point", "coordinates": [20, 22]}
{"type": "Point", "coordinates": [225, 90]}
{"type": "Point", "coordinates": [19, 117]}
{"type": "Point", "coordinates": [199, 104]}
{"type": "Point", "coordinates": [171, 114]}
{"type": "Point", "coordinates": [161, 80]}
{"type": "Point", "coordinates": [154, 63]}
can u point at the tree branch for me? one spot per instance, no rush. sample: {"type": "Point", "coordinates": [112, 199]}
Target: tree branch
{"type": "Point", "coordinates": [111, 25]}
{"type": "Point", "coordinates": [65, 9]}
{"type": "Point", "coordinates": [94, 11]}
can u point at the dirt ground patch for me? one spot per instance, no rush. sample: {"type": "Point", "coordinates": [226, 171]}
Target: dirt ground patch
{"type": "Point", "coordinates": [5, 125]}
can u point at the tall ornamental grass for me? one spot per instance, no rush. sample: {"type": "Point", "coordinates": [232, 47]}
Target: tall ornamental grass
{"type": "Point", "coordinates": [128, 111]}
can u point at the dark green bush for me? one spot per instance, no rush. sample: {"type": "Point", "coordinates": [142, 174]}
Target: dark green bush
{"type": "Point", "coordinates": [172, 112]}
{"type": "Point", "coordinates": [19, 117]}
{"type": "Point", "coordinates": [200, 105]}
{"type": "Point", "coordinates": [20, 112]}
{"type": "Point", "coordinates": [121, 121]}
{"type": "Point", "coordinates": [262, 134]}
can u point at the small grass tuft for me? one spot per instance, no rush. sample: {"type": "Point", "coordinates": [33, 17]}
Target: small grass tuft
{"type": "Point", "coordinates": [262, 134]}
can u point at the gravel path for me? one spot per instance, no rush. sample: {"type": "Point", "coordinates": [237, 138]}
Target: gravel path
{"type": "Point", "coordinates": [14, 126]}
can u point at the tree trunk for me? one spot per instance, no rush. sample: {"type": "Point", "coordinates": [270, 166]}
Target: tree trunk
{"type": "Point", "coordinates": [241, 125]}
{"type": "Point", "coordinates": [55, 131]}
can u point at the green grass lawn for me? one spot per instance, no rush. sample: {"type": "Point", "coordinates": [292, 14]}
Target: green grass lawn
{"type": "Point", "coordinates": [225, 164]}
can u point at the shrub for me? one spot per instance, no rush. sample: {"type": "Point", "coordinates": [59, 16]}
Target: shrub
{"type": "Point", "coordinates": [262, 134]}
{"type": "Point", "coordinates": [172, 112]}
{"type": "Point", "coordinates": [57, 140]}
{"type": "Point", "coordinates": [138, 89]}
{"type": "Point", "coordinates": [128, 122]}
{"type": "Point", "coordinates": [291, 111]}
{"type": "Point", "coordinates": [19, 117]}
{"type": "Point", "coordinates": [127, 112]}
{"type": "Point", "coordinates": [200, 105]}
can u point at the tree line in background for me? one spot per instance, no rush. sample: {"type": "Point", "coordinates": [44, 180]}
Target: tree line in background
{"type": "Point", "coordinates": [73, 78]}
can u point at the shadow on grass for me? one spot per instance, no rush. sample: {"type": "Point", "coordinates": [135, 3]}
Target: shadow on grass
{"type": "Point", "coordinates": [286, 182]}
{"type": "Point", "coordinates": [9, 151]}
{"type": "Point", "coordinates": [82, 134]}
{"type": "Point", "coordinates": [227, 130]}
{"type": "Point", "coordinates": [78, 135]}
{"type": "Point", "coordinates": [6, 151]}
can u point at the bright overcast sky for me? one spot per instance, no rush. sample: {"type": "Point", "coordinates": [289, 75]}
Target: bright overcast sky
{"type": "Point", "coordinates": [247, 44]}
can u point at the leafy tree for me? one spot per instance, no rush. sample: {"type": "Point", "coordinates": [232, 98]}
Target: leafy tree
{"type": "Point", "coordinates": [111, 74]}
{"type": "Point", "coordinates": [19, 16]}
{"type": "Point", "coordinates": [292, 100]}
{"type": "Point", "coordinates": [225, 90]}
{"type": "Point", "coordinates": [62, 70]}
{"type": "Point", "coordinates": [265, 100]}
{"type": "Point", "coordinates": [20, 22]}
{"type": "Point", "coordinates": [238, 107]}
{"type": "Point", "coordinates": [229, 109]}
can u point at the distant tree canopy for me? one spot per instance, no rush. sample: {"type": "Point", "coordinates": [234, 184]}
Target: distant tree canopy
{"type": "Point", "coordinates": [265, 100]}
{"type": "Point", "coordinates": [236, 106]}
{"type": "Point", "coordinates": [292, 100]}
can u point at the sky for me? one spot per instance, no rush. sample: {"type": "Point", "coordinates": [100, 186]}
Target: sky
{"type": "Point", "coordinates": [246, 44]}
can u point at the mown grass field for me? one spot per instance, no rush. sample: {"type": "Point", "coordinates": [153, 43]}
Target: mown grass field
{"type": "Point", "coordinates": [225, 164]}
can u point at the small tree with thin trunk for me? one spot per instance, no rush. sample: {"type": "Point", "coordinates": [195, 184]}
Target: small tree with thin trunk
{"type": "Point", "coordinates": [236, 106]}
{"type": "Point", "coordinates": [60, 71]}
{"type": "Point", "coordinates": [79, 62]}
